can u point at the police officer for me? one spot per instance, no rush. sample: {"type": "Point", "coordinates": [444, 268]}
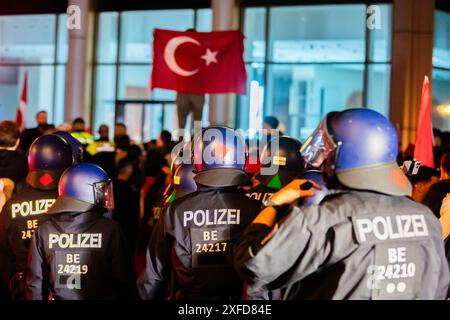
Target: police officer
{"type": "Point", "coordinates": [48, 157]}
{"type": "Point", "coordinates": [79, 132]}
{"type": "Point", "coordinates": [196, 233]}
{"type": "Point", "coordinates": [77, 147]}
{"type": "Point", "coordinates": [367, 240]}
{"type": "Point", "coordinates": [281, 162]}
{"type": "Point", "coordinates": [183, 183]}
{"type": "Point", "coordinates": [78, 254]}
{"type": "Point", "coordinates": [102, 144]}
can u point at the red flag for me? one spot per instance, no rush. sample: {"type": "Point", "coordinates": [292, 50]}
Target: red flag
{"type": "Point", "coordinates": [22, 109]}
{"type": "Point", "coordinates": [423, 150]}
{"type": "Point", "coordinates": [199, 62]}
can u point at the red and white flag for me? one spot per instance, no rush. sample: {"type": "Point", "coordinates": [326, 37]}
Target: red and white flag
{"type": "Point", "coordinates": [423, 150]}
{"type": "Point", "coordinates": [199, 62]}
{"type": "Point", "coordinates": [22, 110]}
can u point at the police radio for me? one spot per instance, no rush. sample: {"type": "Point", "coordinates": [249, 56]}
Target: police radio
{"type": "Point", "coordinates": [410, 167]}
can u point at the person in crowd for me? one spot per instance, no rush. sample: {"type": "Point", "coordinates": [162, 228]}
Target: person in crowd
{"type": "Point", "coordinates": [102, 144]}
{"type": "Point", "coordinates": [189, 103]}
{"type": "Point", "coordinates": [103, 132]}
{"type": "Point", "coordinates": [270, 123]}
{"type": "Point", "coordinates": [150, 146]}
{"type": "Point", "coordinates": [157, 168]}
{"type": "Point", "coordinates": [48, 157]}
{"type": "Point", "coordinates": [102, 151]}
{"type": "Point", "coordinates": [333, 250]}
{"type": "Point", "coordinates": [120, 130]}
{"type": "Point", "coordinates": [439, 190]}
{"type": "Point", "coordinates": [29, 135]}
{"type": "Point", "coordinates": [437, 148]}
{"type": "Point", "coordinates": [126, 201]}
{"type": "Point", "coordinates": [422, 182]}
{"type": "Point", "coordinates": [78, 254]}
{"type": "Point", "coordinates": [195, 235]}
{"type": "Point", "coordinates": [13, 162]}
{"type": "Point", "coordinates": [79, 132]}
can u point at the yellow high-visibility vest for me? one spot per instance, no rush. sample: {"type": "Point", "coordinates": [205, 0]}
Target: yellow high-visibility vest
{"type": "Point", "coordinates": [83, 137]}
{"type": "Point", "coordinates": [100, 146]}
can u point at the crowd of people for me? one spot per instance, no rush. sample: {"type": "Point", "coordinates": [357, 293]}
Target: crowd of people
{"type": "Point", "coordinates": [109, 218]}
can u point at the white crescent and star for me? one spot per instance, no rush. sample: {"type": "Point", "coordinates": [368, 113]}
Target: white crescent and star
{"type": "Point", "coordinates": [169, 55]}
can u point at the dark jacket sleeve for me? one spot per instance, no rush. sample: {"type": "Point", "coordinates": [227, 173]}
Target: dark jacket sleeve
{"type": "Point", "coordinates": [35, 275]}
{"type": "Point", "coordinates": [122, 266]}
{"type": "Point", "coordinates": [292, 253]}
{"type": "Point", "coordinates": [443, 291]}
{"type": "Point", "coordinates": [6, 254]}
{"type": "Point", "coordinates": [155, 276]}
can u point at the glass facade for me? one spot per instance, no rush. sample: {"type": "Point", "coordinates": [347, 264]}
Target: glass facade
{"type": "Point", "coordinates": [317, 59]}
{"type": "Point", "coordinates": [441, 71]}
{"type": "Point", "coordinates": [123, 68]}
{"type": "Point", "coordinates": [36, 44]}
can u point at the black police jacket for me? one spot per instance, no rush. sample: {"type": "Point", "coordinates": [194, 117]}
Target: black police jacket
{"type": "Point", "coordinates": [353, 245]}
{"type": "Point", "coordinates": [14, 165]}
{"type": "Point", "coordinates": [78, 256]}
{"type": "Point", "coordinates": [195, 237]}
{"type": "Point", "coordinates": [260, 193]}
{"type": "Point", "coordinates": [19, 218]}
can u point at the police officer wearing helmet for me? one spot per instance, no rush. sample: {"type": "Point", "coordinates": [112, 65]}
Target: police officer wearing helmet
{"type": "Point", "coordinates": [169, 189]}
{"type": "Point", "coordinates": [196, 233]}
{"type": "Point", "coordinates": [77, 147]}
{"type": "Point", "coordinates": [183, 183]}
{"type": "Point", "coordinates": [48, 157]}
{"type": "Point", "coordinates": [78, 254]}
{"type": "Point", "coordinates": [281, 162]}
{"type": "Point", "coordinates": [368, 240]}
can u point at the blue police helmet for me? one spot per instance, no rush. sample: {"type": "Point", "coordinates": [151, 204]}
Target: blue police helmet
{"type": "Point", "coordinates": [77, 147]}
{"type": "Point", "coordinates": [360, 147]}
{"type": "Point", "coordinates": [219, 156]}
{"type": "Point", "coordinates": [317, 177]}
{"type": "Point", "coordinates": [81, 187]}
{"type": "Point", "coordinates": [48, 157]}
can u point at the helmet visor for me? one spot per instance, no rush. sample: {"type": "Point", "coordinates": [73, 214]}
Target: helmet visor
{"type": "Point", "coordinates": [318, 146]}
{"type": "Point", "coordinates": [103, 193]}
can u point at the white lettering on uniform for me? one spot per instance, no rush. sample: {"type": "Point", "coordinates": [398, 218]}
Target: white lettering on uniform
{"type": "Point", "coordinates": [254, 195]}
{"type": "Point", "coordinates": [392, 228]}
{"type": "Point", "coordinates": [71, 240]}
{"type": "Point", "coordinates": [202, 218]}
{"type": "Point", "coordinates": [30, 208]}
{"type": "Point", "coordinates": [364, 226]}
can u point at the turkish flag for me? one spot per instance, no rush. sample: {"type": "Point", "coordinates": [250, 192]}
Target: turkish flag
{"type": "Point", "coordinates": [22, 109]}
{"type": "Point", "coordinates": [423, 150]}
{"type": "Point", "coordinates": [199, 62]}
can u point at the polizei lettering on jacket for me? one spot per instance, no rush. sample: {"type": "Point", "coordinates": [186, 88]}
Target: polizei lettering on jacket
{"type": "Point", "coordinates": [71, 240]}
{"type": "Point", "coordinates": [30, 208]}
{"type": "Point", "coordinates": [202, 218]}
{"type": "Point", "coordinates": [382, 228]}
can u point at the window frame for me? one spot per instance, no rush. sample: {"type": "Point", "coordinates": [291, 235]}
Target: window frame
{"type": "Point", "coordinates": [269, 4]}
